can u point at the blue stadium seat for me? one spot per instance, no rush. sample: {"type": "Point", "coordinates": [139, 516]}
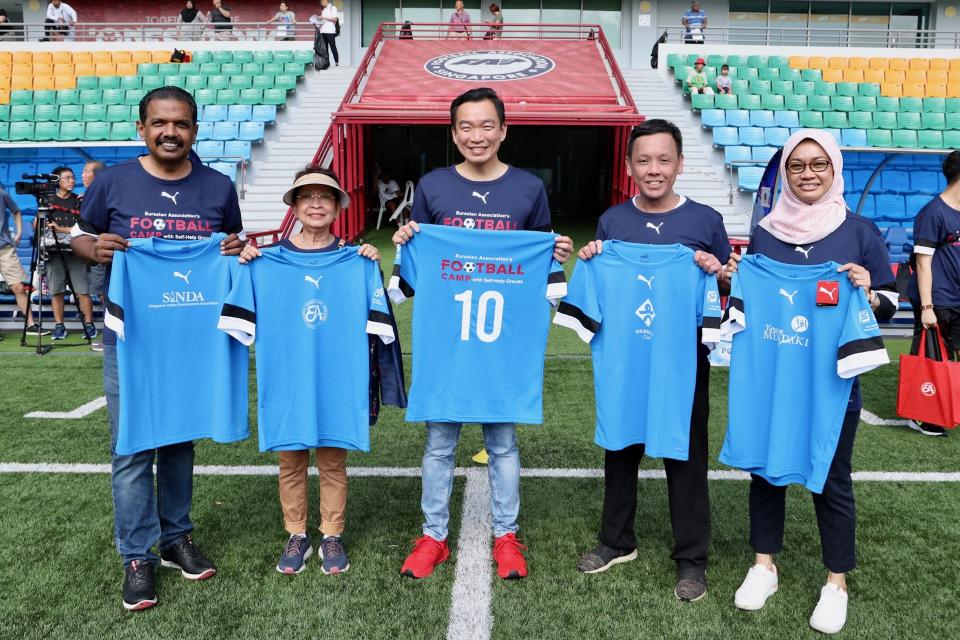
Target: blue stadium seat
{"type": "Point", "coordinates": [240, 112]}
{"type": "Point", "coordinates": [228, 169]}
{"type": "Point", "coordinates": [209, 149]}
{"type": "Point", "coordinates": [253, 131]}
{"type": "Point", "coordinates": [214, 113]}
{"type": "Point", "coordinates": [266, 113]}
{"type": "Point", "coordinates": [204, 130]}
{"type": "Point", "coordinates": [762, 154]}
{"type": "Point", "coordinates": [869, 209]}
{"type": "Point", "coordinates": [240, 148]}
{"type": "Point", "coordinates": [890, 206]}
{"type": "Point", "coordinates": [896, 238]}
{"type": "Point", "coordinates": [748, 178]}
{"type": "Point", "coordinates": [776, 136]}
{"type": "Point", "coordinates": [893, 181]}
{"type": "Point", "coordinates": [752, 136]}
{"type": "Point", "coordinates": [914, 203]}
{"type": "Point", "coordinates": [224, 130]}
{"type": "Point", "coordinates": [761, 118]}
{"type": "Point", "coordinates": [726, 136]}
{"type": "Point", "coordinates": [786, 119]}
{"type": "Point", "coordinates": [738, 118]}
{"type": "Point", "coordinates": [835, 133]}
{"type": "Point", "coordinates": [925, 181]}
{"type": "Point", "coordinates": [736, 153]}
{"type": "Point", "coordinates": [853, 137]}
{"type": "Point", "coordinates": [713, 117]}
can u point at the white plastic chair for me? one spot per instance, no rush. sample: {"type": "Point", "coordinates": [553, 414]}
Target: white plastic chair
{"type": "Point", "coordinates": [406, 203]}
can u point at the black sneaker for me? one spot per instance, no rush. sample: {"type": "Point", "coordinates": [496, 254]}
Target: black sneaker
{"type": "Point", "coordinates": [603, 557]}
{"type": "Point", "coordinates": [926, 428]}
{"type": "Point", "coordinates": [138, 590]}
{"type": "Point", "coordinates": [89, 330]}
{"type": "Point", "coordinates": [691, 584]}
{"type": "Point", "coordinates": [34, 330]}
{"type": "Point", "coordinates": [185, 555]}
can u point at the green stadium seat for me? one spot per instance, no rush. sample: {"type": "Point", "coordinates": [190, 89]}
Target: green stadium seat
{"type": "Point", "coordinates": [778, 62]}
{"type": "Point", "coordinates": [819, 103]}
{"type": "Point", "coordinates": [951, 139]}
{"type": "Point", "coordinates": [210, 68]}
{"type": "Point", "coordinates": [772, 102]}
{"type": "Point", "coordinates": [933, 121]}
{"type": "Point", "coordinates": [202, 56]}
{"type": "Point", "coordinates": [123, 131]}
{"type": "Point", "coordinates": [803, 88]}
{"type": "Point", "coordinates": [276, 68]}
{"type": "Point", "coordinates": [218, 82]}
{"type": "Point", "coordinates": [192, 83]}
{"type": "Point", "coordinates": [94, 112]}
{"type": "Point", "coordinates": [747, 73]}
{"type": "Point", "coordinates": [168, 69]}
{"type": "Point", "coordinates": [888, 103]}
{"type": "Point", "coordinates": [113, 96]}
{"type": "Point", "coordinates": [174, 81]}
{"type": "Point", "coordinates": [20, 131]}
{"type": "Point", "coordinates": [255, 69]}
{"type": "Point", "coordinates": [811, 75]}
{"type": "Point", "coordinates": [908, 120]}
{"type": "Point", "coordinates": [251, 96]}
{"type": "Point", "coordinates": [842, 103]}
{"type": "Point", "coordinates": [757, 61]}
{"type": "Point", "coordinates": [108, 82]}
{"type": "Point", "coordinates": [275, 96]}
{"type": "Point", "coordinates": [861, 119]}
{"type": "Point", "coordinates": [88, 82]}
{"type": "Point", "coordinates": [760, 87]}
{"type": "Point", "coordinates": [811, 119]}
{"type": "Point", "coordinates": [241, 82]}
{"type": "Point", "coordinates": [151, 82]}
{"type": "Point", "coordinates": [865, 103]}
{"type": "Point", "coordinates": [21, 96]}
{"type": "Point", "coordinates": [739, 86]}
{"type": "Point", "coordinates": [700, 101]}
{"type": "Point", "coordinates": [283, 56]}
{"type": "Point", "coordinates": [296, 69]}
{"type": "Point", "coordinates": [930, 105]}
{"type": "Point", "coordinates": [133, 97]}
{"type": "Point", "coordinates": [97, 131]}
{"type": "Point", "coordinates": [118, 113]}
{"type": "Point", "coordinates": [220, 57]}
{"type": "Point", "coordinates": [879, 138]}
{"type": "Point", "coordinates": [673, 59]}
{"type": "Point", "coordinates": [768, 73]}
{"type": "Point", "coordinates": [885, 120]}
{"type": "Point", "coordinates": [305, 56]}
{"type": "Point", "coordinates": [188, 69]}
{"type": "Point", "coordinates": [130, 82]}
{"type": "Point", "coordinates": [46, 131]}
{"type": "Point", "coordinates": [46, 112]}
{"type": "Point", "coordinates": [725, 101]}
{"type": "Point", "coordinates": [869, 89]}
{"type": "Point", "coordinates": [228, 96]}
{"type": "Point", "coordinates": [263, 82]}
{"type": "Point", "coordinates": [4, 130]}
{"type": "Point", "coordinates": [45, 96]}
{"type": "Point", "coordinates": [746, 101]}
{"type": "Point", "coordinates": [930, 139]}
{"type": "Point", "coordinates": [795, 102]}
{"type": "Point", "coordinates": [953, 120]}
{"type": "Point", "coordinates": [4, 113]}
{"type": "Point", "coordinates": [715, 60]}
{"type": "Point", "coordinates": [822, 88]}
{"type": "Point", "coordinates": [263, 57]}
{"type": "Point", "coordinates": [914, 105]}
{"type": "Point", "coordinates": [70, 113]}
{"type": "Point", "coordinates": [287, 82]}
{"type": "Point", "coordinates": [679, 74]}
{"type": "Point", "coordinates": [781, 87]}
{"type": "Point", "coordinates": [205, 96]}
{"type": "Point", "coordinates": [905, 138]}
{"type": "Point", "coordinates": [68, 96]}
{"type": "Point", "coordinates": [793, 75]}
{"type": "Point", "coordinates": [72, 130]}
{"type": "Point", "coordinates": [241, 56]}
{"type": "Point", "coordinates": [953, 105]}
{"type": "Point", "coordinates": [737, 60]}
{"type": "Point", "coordinates": [148, 69]}
{"type": "Point", "coordinates": [835, 119]}
{"type": "Point", "coordinates": [21, 113]}
{"type": "Point", "coordinates": [848, 89]}
{"type": "Point", "coordinates": [231, 68]}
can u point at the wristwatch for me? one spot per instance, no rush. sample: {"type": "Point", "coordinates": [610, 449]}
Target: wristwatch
{"type": "Point", "coordinates": [924, 307]}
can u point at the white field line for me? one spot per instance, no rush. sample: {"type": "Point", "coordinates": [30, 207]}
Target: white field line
{"type": "Point", "coordinates": [80, 412]}
{"type": "Point", "coordinates": [872, 418]}
{"type": "Point", "coordinates": [470, 616]}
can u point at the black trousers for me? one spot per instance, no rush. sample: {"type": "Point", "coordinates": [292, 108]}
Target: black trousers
{"type": "Point", "coordinates": [686, 486]}
{"type": "Point", "coordinates": [835, 507]}
{"type": "Point", "coordinates": [330, 40]}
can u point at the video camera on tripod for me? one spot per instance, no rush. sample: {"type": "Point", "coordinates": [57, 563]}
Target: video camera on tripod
{"type": "Point", "coordinates": [41, 185]}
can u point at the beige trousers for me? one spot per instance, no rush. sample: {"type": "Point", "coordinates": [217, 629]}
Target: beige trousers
{"type": "Point", "coordinates": [332, 465]}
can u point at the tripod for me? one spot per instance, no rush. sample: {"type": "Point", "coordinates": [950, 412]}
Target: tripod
{"type": "Point", "coordinates": [38, 263]}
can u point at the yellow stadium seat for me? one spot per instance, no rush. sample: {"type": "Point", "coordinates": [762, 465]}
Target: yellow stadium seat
{"type": "Point", "coordinates": [914, 90]}
{"type": "Point", "coordinates": [126, 68]}
{"type": "Point", "coordinates": [101, 56]}
{"type": "Point", "coordinates": [833, 75]}
{"type": "Point", "coordinates": [40, 57]}
{"type": "Point", "coordinates": [21, 82]}
{"type": "Point", "coordinates": [21, 69]}
{"type": "Point", "coordinates": [817, 62]}
{"type": "Point", "coordinates": [893, 89]}
{"type": "Point", "coordinates": [953, 90]}
{"type": "Point", "coordinates": [61, 57]}
{"type": "Point", "coordinates": [937, 76]}
{"type": "Point", "coordinates": [120, 56]}
{"type": "Point", "coordinates": [895, 75]}
{"type": "Point", "coordinates": [84, 69]}
{"type": "Point", "coordinates": [22, 57]}
{"type": "Point", "coordinates": [799, 62]}
{"type": "Point", "coordinates": [65, 82]}
{"type": "Point", "coordinates": [5, 83]}
{"type": "Point", "coordinates": [42, 82]}
{"type": "Point", "coordinates": [919, 64]}
{"type": "Point", "coordinates": [63, 69]}
{"type": "Point", "coordinates": [898, 64]}
{"type": "Point", "coordinates": [137, 57]}
{"type": "Point", "coordinates": [916, 76]}
{"type": "Point", "coordinates": [42, 68]}
{"type": "Point", "coordinates": [858, 63]}
{"type": "Point", "coordinates": [81, 57]}
{"type": "Point", "coordinates": [938, 64]}
{"type": "Point", "coordinates": [160, 56]}
{"type": "Point", "coordinates": [879, 63]}
{"type": "Point", "coordinates": [6, 57]}
{"type": "Point", "coordinates": [935, 90]}
{"type": "Point", "coordinates": [853, 75]}
{"type": "Point", "coordinates": [838, 63]}
{"type": "Point", "coordinates": [105, 69]}
{"type": "Point", "coordinates": [953, 78]}
{"type": "Point", "coordinates": [4, 96]}
{"type": "Point", "coordinates": [874, 75]}
{"type": "Point", "coordinates": [6, 69]}
{"type": "Point", "coordinates": [955, 64]}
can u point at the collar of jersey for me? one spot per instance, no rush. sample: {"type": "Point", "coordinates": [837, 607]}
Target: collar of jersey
{"type": "Point", "coordinates": [660, 254]}
{"type": "Point", "coordinates": [308, 259]}
{"type": "Point", "coordinates": [795, 272]}
{"type": "Point", "coordinates": [179, 249]}
{"type": "Point", "coordinates": [453, 170]}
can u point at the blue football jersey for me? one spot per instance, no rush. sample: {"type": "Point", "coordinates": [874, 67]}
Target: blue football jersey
{"type": "Point", "coordinates": [180, 378]}
{"type": "Point", "coordinates": [801, 334]}
{"type": "Point", "coordinates": [639, 306]}
{"type": "Point", "coordinates": [313, 312]}
{"type": "Point", "coordinates": [480, 322]}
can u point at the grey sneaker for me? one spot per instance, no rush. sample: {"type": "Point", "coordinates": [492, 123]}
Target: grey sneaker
{"type": "Point", "coordinates": [334, 555]}
{"type": "Point", "coordinates": [603, 557]}
{"type": "Point", "coordinates": [691, 584]}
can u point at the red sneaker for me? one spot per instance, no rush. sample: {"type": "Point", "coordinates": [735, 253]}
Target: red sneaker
{"type": "Point", "coordinates": [427, 555]}
{"type": "Point", "coordinates": [508, 553]}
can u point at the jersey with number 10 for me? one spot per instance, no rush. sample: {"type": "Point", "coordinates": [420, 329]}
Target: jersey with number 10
{"type": "Point", "coordinates": [802, 333]}
{"type": "Point", "coordinates": [480, 322]}
{"type": "Point", "coordinates": [639, 306]}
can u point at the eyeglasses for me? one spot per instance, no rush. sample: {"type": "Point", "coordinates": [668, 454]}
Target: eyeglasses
{"type": "Point", "coordinates": [817, 166]}
{"type": "Point", "coordinates": [319, 197]}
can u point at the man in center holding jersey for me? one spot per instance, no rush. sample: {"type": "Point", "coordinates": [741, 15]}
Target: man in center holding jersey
{"type": "Point", "coordinates": [657, 215]}
{"type": "Point", "coordinates": [479, 193]}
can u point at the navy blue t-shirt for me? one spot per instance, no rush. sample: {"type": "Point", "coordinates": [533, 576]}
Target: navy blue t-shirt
{"type": "Point", "coordinates": [692, 224]}
{"type": "Point", "coordinates": [936, 232]}
{"type": "Point", "coordinates": [286, 243]}
{"type": "Point", "coordinates": [856, 240]}
{"type": "Point", "coordinates": [515, 200]}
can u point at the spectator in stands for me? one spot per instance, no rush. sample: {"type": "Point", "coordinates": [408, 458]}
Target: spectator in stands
{"type": "Point", "coordinates": [811, 224]}
{"type": "Point", "coordinates": [389, 192]}
{"type": "Point", "coordinates": [406, 31]}
{"type": "Point", "coordinates": [190, 22]}
{"type": "Point", "coordinates": [724, 82]}
{"type": "Point", "coordinates": [496, 25]}
{"type": "Point", "coordinates": [697, 79]}
{"type": "Point", "coordinates": [6, 29]}
{"type": "Point", "coordinates": [934, 289]}
{"type": "Point", "coordinates": [695, 21]}
{"type": "Point", "coordinates": [328, 23]}
{"type": "Point", "coordinates": [221, 18]}
{"type": "Point", "coordinates": [97, 272]}
{"type": "Point", "coordinates": [10, 267]}
{"type": "Point", "coordinates": [64, 212]}
{"type": "Point", "coordinates": [285, 20]}
{"type": "Point", "coordinates": [459, 22]}
{"type": "Point", "coordinates": [60, 21]}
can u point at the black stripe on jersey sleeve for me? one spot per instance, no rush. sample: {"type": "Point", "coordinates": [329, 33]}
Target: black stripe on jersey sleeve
{"type": "Point", "coordinates": [860, 356]}
{"type": "Point", "coordinates": [233, 311]}
{"type": "Point", "coordinates": [378, 316]}
{"type": "Point", "coordinates": [115, 310]}
{"type": "Point", "coordinates": [556, 276]}
{"type": "Point", "coordinates": [399, 286]}
{"type": "Point", "coordinates": [711, 322]}
{"type": "Point", "coordinates": [862, 345]}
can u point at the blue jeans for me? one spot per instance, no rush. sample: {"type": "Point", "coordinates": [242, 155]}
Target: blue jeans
{"type": "Point", "coordinates": [141, 517]}
{"type": "Point", "coordinates": [438, 468]}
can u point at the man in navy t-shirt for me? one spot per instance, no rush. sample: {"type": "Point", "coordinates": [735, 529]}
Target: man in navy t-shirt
{"type": "Point", "coordinates": [163, 194]}
{"type": "Point", "coordinates": [479, 193]}
{"type": "Point", "coordinates": [934, 289]}
{"type": "Point", "coordinates": [657, 215]}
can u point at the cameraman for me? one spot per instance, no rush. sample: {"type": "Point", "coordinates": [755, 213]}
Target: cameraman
{"type": "Point", "coordinates": [10, 267]}
{"type": "Point", "coordinates": [64, 212]}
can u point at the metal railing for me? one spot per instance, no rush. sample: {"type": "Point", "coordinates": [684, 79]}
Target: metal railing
{"type": "Point", "coordinates": [821, 37]}
{"type": "Point", "coordinates": [167, 31]}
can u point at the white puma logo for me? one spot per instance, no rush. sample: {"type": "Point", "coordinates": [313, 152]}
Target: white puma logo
{"type": "Point", "coordinates": [829, 292]}
{"type": "Point", "coordinates": [655, 227]}
{"type": "Point", "coordinates": [788, 296]}
{"type": "Point", "coordinates": [805, 252]}
{"type": "Point", "coordinates": [172, 197]}
{"type": "Point", "coordinates": [314, 281]}
{"type": "Point", "coordinates": [649, 280]}
{"type": "Point", "coordinates": [482, 197]}
{"type": "Point", "coordinates": [183, 276]}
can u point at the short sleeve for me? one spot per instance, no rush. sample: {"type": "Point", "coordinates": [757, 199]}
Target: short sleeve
{"type": "Point", "coordinates": [378, 313]}
{"type": "Point", "coordinates": [113, 308]}
{"type": "Point", "coordinates": [238, 317]}
{"type": "Point", "coordinates": [710, 312]}
{"type": "Point", "coordinates": [861, 346]}
{"type": "Point", "coordinates": [419, 210]}
{"type": "Point", "coordinates": [928, 229]}
{"type": "Point", "coordinates": [403, 281]}
{"type": "Point", "coordinates": [232, 221]}
{"type": "Point", "coordinates": [556, 281]}
{"type": "Point", "coordinates": [734, 317]}
{"type": "Point", "coordinates": [601, 233]}
{"type": "Point", "coordinates": [539, 219]}
{"type": "Point", "coordinates": [719, 241]}
{"type": "Point", "coordinates": [580, 309]}
{"type": "Point", "coordinates": [94, 214]}
{"type": "Point", "coordinates": [11, 204]}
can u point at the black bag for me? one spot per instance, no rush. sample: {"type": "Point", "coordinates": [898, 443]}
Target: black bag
{"type": "Point", "coordinates": [178, 55]}
{"type": "Point", "coordinates": [321, 57]}
{"type": "Point", "coordinates": [336, 22]}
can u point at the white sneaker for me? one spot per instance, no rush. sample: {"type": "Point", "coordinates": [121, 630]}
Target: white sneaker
{"type": "Point", "coordinates": [831, 612]}
{"type": "Point", "coordinates": [760, 584]}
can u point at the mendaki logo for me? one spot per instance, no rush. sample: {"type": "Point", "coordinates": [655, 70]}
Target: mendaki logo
{"type": "Point", "coordinates": [463, 270]}
{"type": "Point", "coordinates": [490, 66]}
{"type": "Point", "coordinates": [928, 389]}
{"type": "Point", "coordinates": [782, 337]}
{"type": "Point", "coordinates": [799, 324]}
{"type": "Point", "coordinates": [314, 313]}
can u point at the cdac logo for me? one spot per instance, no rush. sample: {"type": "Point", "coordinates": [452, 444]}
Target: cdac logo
{"type": "Point", "coordinates": [799, 324]}
{"type": "Point", "coordinates": [489, 65]}
{"type": "Point", "coordinates": [928, 389]}
{"type": "Point", "coordinates": [314, 313]}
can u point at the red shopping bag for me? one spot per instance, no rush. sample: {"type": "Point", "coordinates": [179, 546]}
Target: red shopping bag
{"type": "Point", "coordinates": [926, 385]}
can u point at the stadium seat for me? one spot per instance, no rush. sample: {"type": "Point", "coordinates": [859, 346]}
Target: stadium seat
{"type": "Point", "coordinates": [228, 96]}
{"type": "Point", "coordinates": [725, 101]}
{"type": "Point", "coordinates": [251, 96]}
{"type": "Point", "coordinates": [726, 136]}
{"type": "Point", "coordinates": [240, 148]}
{"type": "Point", "coordinates": [841, 103]}
{"type": "Point", "coordinates": [193, 83]}
{"type": "Point", "coordinates": [168, 69]}
{"type": "Point", "coordinates": [94, 113]}
{"type": "Point", "coordinates": [879, 138]}
{"type": "Point", "coordinates": [252, 69]}
{"type": "Point", "coordinates": [762, 154]}
{"type": "Point", "coordinates": [97, 131]}
{"type": "Point", "coordinates": [253, 131]}
{"type": "Point", "coordinates": [204, 131]}
{"type": "Point", "coordinates": [305, 56]}
{"type": "Point", "coordinates": [892, 181]}
{"type": "Point", "coordinates": [913, 204]}
{"type": "Point", "coordinates": [189, 69]}
{"type": "Point", "coordinates": [772, 102]}
{"type": "Point", "coordinates": [274, 96]}
{"type": "Point", "coordinates": [263, 82]}
{"type": "Point", "coordinates": [908, 120]}
{"type": "Point", "coordinates": [231, 69]}
{"type": "Point", "coordinates": [174, 81]}
{"type": "Point", "coordinates": [221, 57]}
{"type": "Point", "coordinates": [890, 206]}
{"type": "Point", "coordinates": [72, 130]}
{"type": "Point", "coordinates": [226, 168]}
{"type": "Point", "coordinates": [46, 112]}
{"type": "Point", "coordinates": [46, 131]}
{"type": "Point", "coordinates": [296, 69]}
{"type": "Point", "coordinates": [853, 138]}
{"type": "Point", "coordinates": [865, 103]}
{"type": "Point", "coordinates": [214, 113]}
{"type": "Point", "coordinates": [283, 56]}
{"type": "Point", "coordinates": [885, 120]}
{"type": "Point", "coordinates": [751, 136]}
{"type": "Point", "coordinates": [225, 130]}
{"type": "Point", "coordinates": [244, 55]}
{"type": "Point", "coordinates": [205, 96]}
{"type": "Point", "coordinates": [786, 119]}
{"type": "Point", "coordinates": [210, 149]}
{"type": "Point", "coordinates": [835, 119]}
{"type": "Point", "coordinates": [108, 82]}
{"type": "Point", "coordinates": [132, 97]}
{"type": "Point", "coordinates": [760, 87]}
{"type": "Point", "coordinates": [761, 118]}
{"type": "Point", "coordinates": [112, 96]}
{"type": "Point", "coordinates": [273, 68]}
{"type": "Point", "coordinates": [700, 101]}
{"type": "Point", "coordinates": [905, 138]}
{"type": "Point", "coordinates": [775, 136]}
{"type": "Point", "coordinates": [708, 117]}
{"type": "Point", "coordinates": [736, 60]}
{"type": "Point", "coordinates": [819, 103]}
{"type": "Point", "coordinates": [861, 119]}
{"type": "Point", "coordinates": [748, 101]}
{"type": "Point", "coordinates": [118, 113]}
{"type": "Point", "coordinates": [933, 121]}
{"type": "Point", "coordinates": [150, 83]}
{"type": "Point", "coordinates": [90, 96]}
{"type": "Point", "coordinates": [148, 69]}
{"type": "Point", "coordinates": [239, 112]}
{"type": "Point", "coordinates": [131, 82]}
{"type": "Point", "coordinates": [930, 139]}
{"type": "Point", "coordinates": [241, 82]}
{"type": "Point", "coordinates": [267, 113]}
{"type": "Point", "coordinates": [811, 119]}
{"type": "Point", "coordinates": [21, 131]}
{"type": "Point", "coordinates": [951, 139]}
{"type": "Point", "coordinates": [123, 131]}
{"type": "Point", "coordinates": [748, 178]}
{"type": "Point", "coordinates": [21, 113]}
{"type": "Point", "coordinates": [911, 104]}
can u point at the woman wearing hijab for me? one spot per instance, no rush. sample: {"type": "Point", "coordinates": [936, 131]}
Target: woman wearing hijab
{"type": "Point", "coordinates": [811, 224]}
{"type": "Point", "coordinates": [193, 17]}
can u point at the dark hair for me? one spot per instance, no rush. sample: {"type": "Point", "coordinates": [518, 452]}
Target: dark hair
{"type": "Point", "coordinates": [494, 7]}
{"type": "Point", "coordinates": [168, 93]}
{"type": "Point", "coordinates": [315, 168]}
{"type": "Point", "coordinates": [951, 166]}
{"type": "Point", "coordinates": [96, 166]}
{"type": "Point", "coordinates": [724, 66]}
{"type": "Point", "coordinates": [478, 95]}
{"type": "Point", "coordinates": [60, 170]}
{"type": "Point", "coordinates": [650, 127]}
